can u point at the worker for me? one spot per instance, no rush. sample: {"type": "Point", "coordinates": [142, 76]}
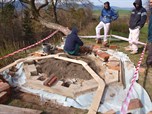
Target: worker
{"type": "Point", "coordinates": [108, 15]}
{"type": "Point", "coordinates": [73, 43]}
{"type": "Point", "coordinates": [149, 46]}
{"type": "Point", "coordinates": [137, 20]}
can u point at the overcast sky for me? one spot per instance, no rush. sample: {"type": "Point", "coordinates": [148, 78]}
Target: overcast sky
{"type": "Point", "coordinates": [118, 3]}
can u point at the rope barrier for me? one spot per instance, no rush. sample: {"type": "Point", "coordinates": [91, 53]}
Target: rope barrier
{"type": "Point", "coordinates": [126, 102]}
{"type": "Point", "coordinates": [28, 47]}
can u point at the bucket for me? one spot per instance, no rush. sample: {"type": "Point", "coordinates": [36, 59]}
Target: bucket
{"type": "Point", "coordinates": [48, 48]}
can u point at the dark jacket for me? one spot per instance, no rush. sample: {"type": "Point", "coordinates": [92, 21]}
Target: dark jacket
{"type": "Point", "coordinates": [108, 15]}
{"type": "Point", "coordinates": [150, 29]}
{"type": "Point", "coordinates": [72, 40]}
{"type": "Point", "coordinates": [138, 16]}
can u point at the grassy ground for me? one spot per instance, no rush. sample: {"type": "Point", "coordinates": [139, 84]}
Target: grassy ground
{"type": "Point", "coordinates": [145, 78]}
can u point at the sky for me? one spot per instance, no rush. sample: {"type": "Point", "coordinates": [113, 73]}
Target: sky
{"type": "Point", "coordinates": [118, 3]}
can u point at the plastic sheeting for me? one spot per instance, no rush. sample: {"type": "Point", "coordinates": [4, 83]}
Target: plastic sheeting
{"type": "Point", "coordinates": [19, 78]}
{"type": "Point", "coordinates": [113, 97]}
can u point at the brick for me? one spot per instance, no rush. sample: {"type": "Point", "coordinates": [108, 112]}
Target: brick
{"type": "Point", "coordinates": [95, 48]}
{"type": "Point", "coordinates": [4, 86]}
{"type": "Point", "coordinates": [114, 65]}
{"type": "Point", "coordinates": [32, 69]}
{"type": "Point", "coordinates": [111, 76]}
{"type": "Point", "coordinates": [51, 80]}
{"type": "Point", "coordinates": [150, 112]}
{"type": "Point", "coordinates": [113, 47]}
{"type": "Point", "coordinates": [135, 104]}
{"type": "Point", "coordinates": [3, 97]}
{"type": "Point", "coordinates": [103, 56]}
{"type": "Point", "coordinates": [142, 70]}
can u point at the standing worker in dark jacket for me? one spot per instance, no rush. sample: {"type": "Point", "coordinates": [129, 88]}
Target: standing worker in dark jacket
{"type": "Point", "coordinates": [137, 21]}
{"type": "Point", "coordinates": [149, 57]}
{"type": "Point", "coordinates": [108, 15]}
{"type": "Point", "coordinates": [73, 43]}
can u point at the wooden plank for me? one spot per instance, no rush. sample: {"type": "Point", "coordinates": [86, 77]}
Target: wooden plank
{"type": "Point", "coordinates": [87, 86]}
{"type": "Point", "coordinates": [101, 83]}
{"type": "Point", "coordinates": [54, 89]}
{"type": "Point", "coordinates": [4, 109]}
{"type": "Point", "coordinates": [122, 74]}
{"type": "Point", "coordinates": [99, 93]}
{"type": "Point", "coordinates": [96, 101]}
{"type": "Point", "coordinates": [126, 39]}
{"type": "Point", "coordinates": [26, 70]}
{"type": "Point", "coordinates": [13, 64]}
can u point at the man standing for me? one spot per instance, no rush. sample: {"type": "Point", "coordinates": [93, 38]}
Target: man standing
{"type": "Point", "coordinates": [137, 20]}
{"type": "Point", "coordinates": [107, 16]}
{"type": "Point", "coordinates": [73, 43]}
{"type": "Point", "coordinates": [149, 57]}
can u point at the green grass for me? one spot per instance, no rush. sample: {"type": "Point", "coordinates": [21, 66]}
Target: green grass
{"type": "Point", "coordinates": [134, 58]}
{"type": "Point", "coordinates": [122, 13]}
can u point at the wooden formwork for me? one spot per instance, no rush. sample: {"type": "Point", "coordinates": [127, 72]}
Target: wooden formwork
{"type": "Point", "coordinates": [101, 84]}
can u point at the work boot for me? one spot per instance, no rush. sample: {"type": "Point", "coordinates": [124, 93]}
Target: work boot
{"type": "Point", "coordinates": [98, 41]}
{"type": "Point", "coordinates": [128, 48]}
{"type": "Point", "coordinates": [133, 52]}
{"type": "Point", "coordinates": [105, 44]}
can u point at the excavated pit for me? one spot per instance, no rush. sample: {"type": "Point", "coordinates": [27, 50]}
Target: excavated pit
{"type": "Point", "coordinates": [67, 70]}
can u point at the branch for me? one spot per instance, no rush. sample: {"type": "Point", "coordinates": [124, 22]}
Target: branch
{"type": "Point", "coordinates": [43, 5]}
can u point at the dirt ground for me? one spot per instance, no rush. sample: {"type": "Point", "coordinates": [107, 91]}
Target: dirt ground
{"type": "Point", "coordinates": [25, 100]}
{"type": "Point", "coordinates": [67, 70]}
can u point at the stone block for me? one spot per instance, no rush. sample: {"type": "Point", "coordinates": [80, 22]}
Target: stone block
{"type": "Point", "coordinates": [111, 76]}
{"type": "Point", "coordinates": [32, 69]}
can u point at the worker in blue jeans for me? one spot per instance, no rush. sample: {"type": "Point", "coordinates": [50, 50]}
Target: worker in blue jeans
{"type": "Point", "coordinates": [73, 43]}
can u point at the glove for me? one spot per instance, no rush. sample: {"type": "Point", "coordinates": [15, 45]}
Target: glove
{"type": "Point", "coordinates": [138, 27]}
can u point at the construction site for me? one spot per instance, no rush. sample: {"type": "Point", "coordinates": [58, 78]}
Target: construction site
{"type": "Point", "coordinates": [96, 81]}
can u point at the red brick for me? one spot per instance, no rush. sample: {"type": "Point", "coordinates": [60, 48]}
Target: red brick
{"type": "Point", "coordinates": [150, 112]}
{"type": "Point", "coordinates": [142, 70]}
{"type": "Point", "coordinates": [135, 104]}
{"type": "Point", "coordinates": [113, 47]}
{"type": "Point", "coordinates": [103, 55]}
{"type": "Point", "coordinates": [50, 81]}
{"type": "Point", "coordinates": [4, 97]}
{"type": "Point", "coordinates": [4, 86]}
{"type": "Point", "coordinates": [95, 48]}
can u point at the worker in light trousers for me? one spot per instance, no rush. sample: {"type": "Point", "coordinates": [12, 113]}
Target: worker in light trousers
{"type": "Point", "coordinates": [108, 15]}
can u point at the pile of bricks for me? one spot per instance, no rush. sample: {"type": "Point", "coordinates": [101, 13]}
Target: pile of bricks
{"type": "Point", "coordinates": [103, 56]}
{"type": "Point", "coordinates": [4, 92]}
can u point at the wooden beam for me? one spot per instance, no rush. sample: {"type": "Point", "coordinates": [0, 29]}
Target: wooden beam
{"type": "Point", "coordinates": [126, 39]}
{"type": "Point", "coordinates": [4, 109]}
{"type": "Point", "coordinates": [101, 84]}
